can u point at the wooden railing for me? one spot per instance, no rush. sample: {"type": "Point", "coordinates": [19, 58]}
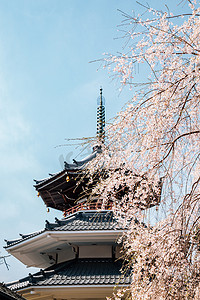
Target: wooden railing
{"type": "Point", "coordinates": [86, 206]}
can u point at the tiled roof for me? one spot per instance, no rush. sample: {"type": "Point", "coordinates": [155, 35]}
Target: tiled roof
{"type": "Point", "coordinates": [79, 221]}
{"type": "Point", "coordinates": [85, 220]}
{"type": "Point", "coordinates": [62, 190]}
{"type": "Point", "coordinates": [23, 238]}
{"type": "Point", "coordinates": [76, 165]}
{"type": "Point", "coordinates": [6, 293]}
{"type": "Point", "coordinates": [77, 272]}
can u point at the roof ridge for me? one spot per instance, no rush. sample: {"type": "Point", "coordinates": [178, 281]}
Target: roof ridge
{"type": "Point", "coordinates": [22, 238]}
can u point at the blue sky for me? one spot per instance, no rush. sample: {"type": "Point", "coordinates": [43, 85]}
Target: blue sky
{"type": "Point", "coordinates": [48, 92]}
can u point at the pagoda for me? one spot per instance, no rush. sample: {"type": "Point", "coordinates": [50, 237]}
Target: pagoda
{"type": "Point", "coordinates": [78, 256]}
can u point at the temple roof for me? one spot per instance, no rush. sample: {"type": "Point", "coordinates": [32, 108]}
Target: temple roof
{"type": "Point", "coordinates": [79, 221]}
{"type": "Point", "coordinates": [86, 220]}
{"type": "Point", "coordinates": [62, 190]}
{"type": "Point", "coordinates": [7, 294]}
{"type": "Point", "coordinates": [73, 185]}
{"type": "Point", "coordinates": [101, 271]}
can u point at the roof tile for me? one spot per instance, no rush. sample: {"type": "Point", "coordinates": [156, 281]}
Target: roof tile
{"type": "Point", "coordinates": [6, 293]}
{"type": "Point", "coordinates": [77, 272]}
{"type": "Point", "coordinates": [79, 221]}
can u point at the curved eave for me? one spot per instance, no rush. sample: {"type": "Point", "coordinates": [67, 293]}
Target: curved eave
{"type": "Point", "coordinates": [62, 190]}
{"type": "Point", "coordinates": [80, 221]}
{"type": "Point", "coordinates": [43, 238]}
{"type": "Point", "coordinates": [72, 169]}
{"type": "Point", "coordinates": [67, 292]}
{"type": "Point", "coordinates": [51, 180]}
{"type": "Point", "coordinates": [30, 251]}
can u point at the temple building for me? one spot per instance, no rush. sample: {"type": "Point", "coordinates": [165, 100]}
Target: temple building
{"type": "Point", "coordinates": [78, 256]}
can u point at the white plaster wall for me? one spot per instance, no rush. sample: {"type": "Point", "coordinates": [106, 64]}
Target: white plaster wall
{"type": "Point", "coordinates": [117, 252]}
{"type": "Point", "coordinates": [66, 254]}
{"type": "Point", "coordinates": [95, 251]}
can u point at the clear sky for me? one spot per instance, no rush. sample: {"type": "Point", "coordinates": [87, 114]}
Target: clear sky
{"type": "Point", "coordinates": [48, 92]}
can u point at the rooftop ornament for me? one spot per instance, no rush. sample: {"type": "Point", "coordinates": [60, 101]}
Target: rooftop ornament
{"type": "Point", "coordinates": [101, 117]}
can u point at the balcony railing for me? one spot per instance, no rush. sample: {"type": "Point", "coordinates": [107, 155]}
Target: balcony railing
{"type": "Point", "coordinates": [86, 206]}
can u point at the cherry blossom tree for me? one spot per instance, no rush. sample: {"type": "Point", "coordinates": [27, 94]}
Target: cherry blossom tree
{"type": "Point", "coordinates": [154, 143]}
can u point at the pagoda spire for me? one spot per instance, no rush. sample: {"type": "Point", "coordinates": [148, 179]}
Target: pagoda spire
{"type": "Point", "coordinates": [101, 117]}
